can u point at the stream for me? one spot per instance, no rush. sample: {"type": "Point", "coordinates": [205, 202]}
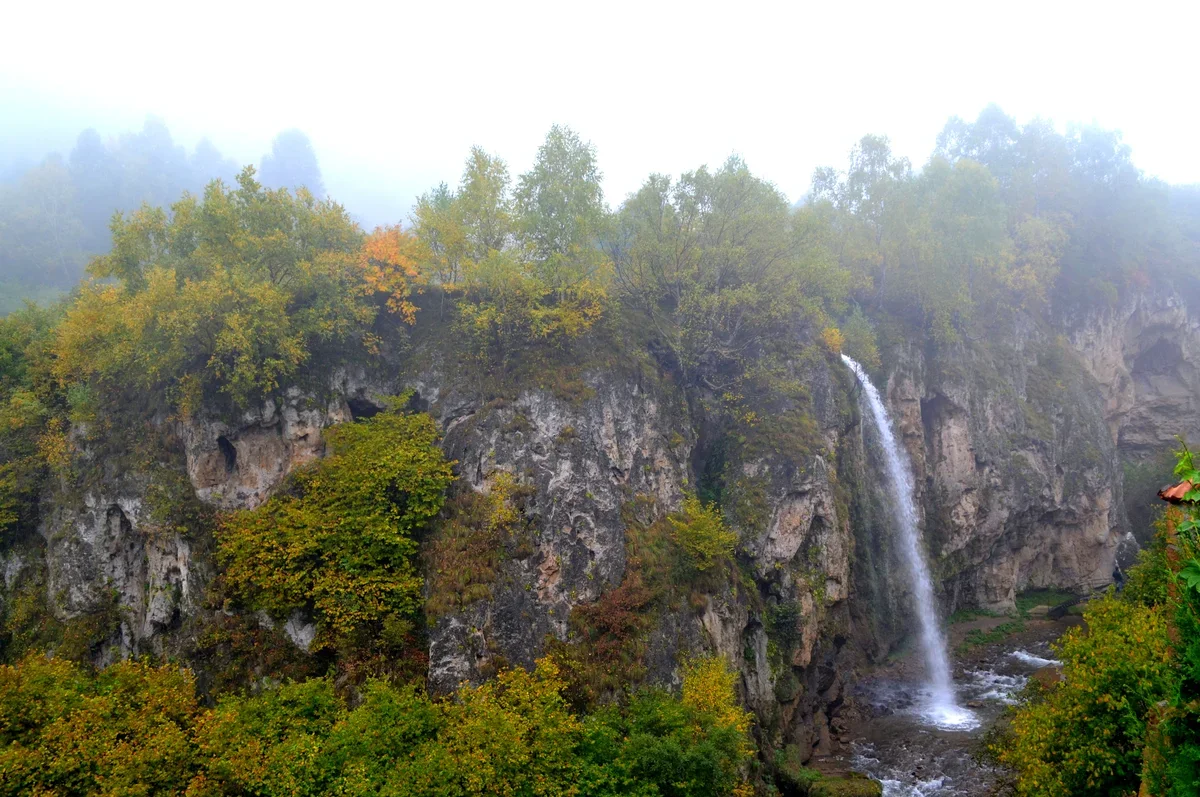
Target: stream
{"type": "Point", "coordinates": [894, 741]}
{"type": "Point", "coordinates": [921, 720]}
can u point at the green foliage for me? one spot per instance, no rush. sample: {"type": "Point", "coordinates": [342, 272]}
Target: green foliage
{"type": "Point", "coordinates": [223, 300]}
{"type": "Point", "coordinates": [860, 342]}
{"type": "Point", "coordinates": [1086, 734]}
{"type": "Point", "coordinates": [603, 656]}
{"type": "Point", "coordinates": [340, 542]}
{"type": "Point", "coordinates": [1126, 715]}
{"type": "Point", "coordinates": [1173, 765]}
{"type": "Point", "coordinates": [126, 730]}
{"type": "Point", "coordinates": [31, 426]}
{"type": "Point", "coordinates": [1002, 217]}
{"type": "Point", "coordinates": [700, 531]}
{"type": "Point", "coordinates": [977, 637]}
{"type": "Point", "coordinates": [724, 271]}
{"type": "Point", "coordinates": [1041, 597]}
{"type": "Point", "coordinates": [513, 736]}
{"type": "Point", "coordinates": [1149, 581]}
{"type": "Point", "coordinates": [560, 211]}
{"type": "Point", "coordinates": [136, 729]}
{"type": "Point", "coordinates": [525, 268]}
{"type": "Point", "coordinates": [269, 744]}
{"type": "Point", "coordinates": [658, 745]}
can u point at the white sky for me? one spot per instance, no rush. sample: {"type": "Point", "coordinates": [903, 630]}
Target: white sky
{"type": "Point", "coordinates": [393, 97]}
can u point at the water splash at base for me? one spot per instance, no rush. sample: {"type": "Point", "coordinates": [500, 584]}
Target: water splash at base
{"type": "Point", "coordinates": [941, 707]}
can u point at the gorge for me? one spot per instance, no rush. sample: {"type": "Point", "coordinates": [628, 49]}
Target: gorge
{"type": "Point", "coordinates": [592, 462]}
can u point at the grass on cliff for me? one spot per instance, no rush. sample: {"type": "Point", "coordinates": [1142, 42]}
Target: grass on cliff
{"type": "Point", "coordinates": [1029, 599]}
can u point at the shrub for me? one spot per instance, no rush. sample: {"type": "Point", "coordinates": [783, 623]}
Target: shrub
{"type": "Point", "coordinates": [658, 745]}
{"type": "Point", "coordinates": [701, 533]}
{"type": "Point", "coordinates": [126, 730]}
{"type": "Point", "coordinates": [340, 541]}
{"type": "Point", "coordinates": [268, 744]}
{"type": "Point", "coordinates": [1086, 734]}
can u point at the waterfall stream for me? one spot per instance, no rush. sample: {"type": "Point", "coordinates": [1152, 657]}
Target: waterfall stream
{"type": "Point", "coordinates": [941, 705]}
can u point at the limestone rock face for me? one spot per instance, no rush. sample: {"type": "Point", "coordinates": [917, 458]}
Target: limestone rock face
{"type": "Point", "coordinates": [1014, 442]}
{"type": "Point", "coordinates": [582, 461]}
{"type": "Point", "coordinates": [237, 466]}
{"type": "Point", "coordinates": [1019, 480]}
{"type": "Point", "coordinates": [102, 551]}
{"type": "Point", "coordinates": [1145, 357]}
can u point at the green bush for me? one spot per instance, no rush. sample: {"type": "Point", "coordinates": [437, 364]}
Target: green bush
{"type": "Point", "coordinates": [340, 541]}
{"type": "Point", "coordinates": [701, 533]}
{"type": "Point", "coordinates": [126, 730]}
{"type": "Point", "coordinates": [133, 729]}
{"type": "Point", "coordinates": [1086, 734]}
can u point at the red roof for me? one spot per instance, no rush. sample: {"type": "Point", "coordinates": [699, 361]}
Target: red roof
{"type": "Point", "coordinates": [1175, 493]}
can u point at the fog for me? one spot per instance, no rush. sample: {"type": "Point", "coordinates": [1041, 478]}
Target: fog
{"type": "Point", "coordinates": [392, 99]}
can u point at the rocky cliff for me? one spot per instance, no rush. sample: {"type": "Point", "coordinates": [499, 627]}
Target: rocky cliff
{"type": "Point", "coordinates": [1015, 441]}
{"type": "Point", "coordinates": [1145, 357]}
{"type": "Point", "coordinates": [1020, 481]}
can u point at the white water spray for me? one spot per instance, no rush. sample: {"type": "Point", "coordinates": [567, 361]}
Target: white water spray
{"type": "Point", "coordinates": [942, 709]}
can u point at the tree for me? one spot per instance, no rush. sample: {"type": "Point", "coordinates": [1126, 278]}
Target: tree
{"type": "Point", "coordinates": [208, 164]}
{"type": "Point", "coordinates": [222, 301]}
{"type": "Point", "coordinates": [560, 209]}
{"type": "Point", "coordinates": [96, 175]}
{"type": "Point", "coordinates": [717, 262]}
{"type": "Point", "coordinates": [41, 233]}
{"type": "Point", "coordinates": [154, 169]}
{"type": "Point", "coordinates": [1086, 734]}
{"type": "Point", "coordinates": [292, 164]}
{"type": "Point", "coordinates": [484, 204]}
{"type": "Point", "coordinates": [494, 255]}
{"type": "Point", "coordinates": [389, 260]}
{"type": "Point", "coordinates": [31, 429]}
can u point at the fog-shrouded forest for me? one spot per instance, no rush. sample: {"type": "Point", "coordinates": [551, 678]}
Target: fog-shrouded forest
{"type": "Point", "coordinates": [55, 215]}
{"type": "Point", "coordinates": [1036, 182]}
{"type": "Point", "coordinates": [388, 595]}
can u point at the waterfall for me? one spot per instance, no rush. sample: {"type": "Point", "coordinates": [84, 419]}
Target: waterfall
{"type": "Point", "coordinates": [942, 708]}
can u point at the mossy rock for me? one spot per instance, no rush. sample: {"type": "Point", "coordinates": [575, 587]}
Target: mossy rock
{"type": "Point", "coordinates": [853, 785]}
{"type": "Point", "coordinates": [794, 778]}
{"type": "Point", "coordinates": [788, 687]}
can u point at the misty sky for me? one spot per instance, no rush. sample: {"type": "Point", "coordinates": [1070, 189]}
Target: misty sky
{"type": "Point", "coordinates": [393, 97]}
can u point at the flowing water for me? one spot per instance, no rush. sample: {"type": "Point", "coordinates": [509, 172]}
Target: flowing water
{"type": "Point", "coordinates": [898, 746]}
{"type": "Point", "coordinates": [938, 702]}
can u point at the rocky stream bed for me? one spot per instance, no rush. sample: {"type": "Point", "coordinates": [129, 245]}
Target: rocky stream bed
{"type": "Point", "coordinates": [886, 737]}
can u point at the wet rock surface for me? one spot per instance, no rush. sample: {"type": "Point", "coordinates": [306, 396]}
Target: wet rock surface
{"type": "Point", "coordinates": [892, 743]}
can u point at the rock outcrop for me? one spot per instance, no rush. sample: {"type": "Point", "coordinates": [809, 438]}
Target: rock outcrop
{"type": "Point", "coordinates": [1020, 481]}
{"type": "Point", "coordinates": [581, 460]}
{"type": "Point", "coordinates": [1145, 356]}
{"type": "Point", "coordinates": [101, 553]}
{"type": "Point", "coordinates": [1015, 443]}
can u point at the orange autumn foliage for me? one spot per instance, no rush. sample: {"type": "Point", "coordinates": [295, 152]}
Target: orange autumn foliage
{"type": "Point", "coordinates": [388, 259]}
